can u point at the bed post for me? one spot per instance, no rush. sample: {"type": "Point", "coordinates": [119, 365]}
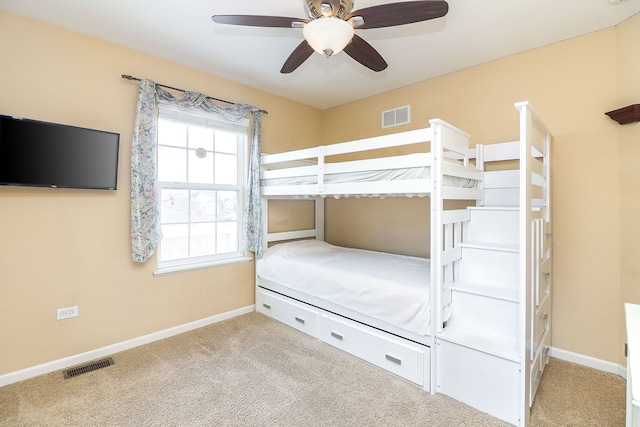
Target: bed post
{"type": "Point", "coordinates": [436, 237]}
{"type": "Point", "coordinates": [525, 267]}
{"type": "Point", "coordinates": [319, 218]}
{"type": "Point", "coordinates": [535, 142]}
{"type": "Point", "coordinates": [480, 166]}
{"type": "Point", "coordinates": [264, 206]}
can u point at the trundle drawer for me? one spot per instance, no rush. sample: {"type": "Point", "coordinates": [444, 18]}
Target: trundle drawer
{"type": "Point", "coordinates": [404, 359]}
{"type": "Point", "coordinates": [289, 312]}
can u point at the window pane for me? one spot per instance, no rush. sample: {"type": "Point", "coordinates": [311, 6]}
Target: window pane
{"type": "Point", "coordinates": [200, 137]}
{"type": "Point", "coordinates": [226, 169]}
{"type": "Point", "coordinates": [172, 133]}
{"type": "Point", "coordinates": [226, 142]}
{"type": "Point", "coordinates": [172, 164]}
{"type": "Point", "coordinates": [227, 205]}
{"type": "Point", "coordinates": [201, 168]}
{"type": "Point", "coordinates": [175, 242]}
{"type": "Point", "coordinates": [174, 206]}
{"type": "Point", "coordinates": [227, 237]}
{"type": "Point", "coordinates": [203, 239]}
{"type": "Point", "coordinates": [203, 205]}
{"type": "Point", "coordinates": [200, 179]}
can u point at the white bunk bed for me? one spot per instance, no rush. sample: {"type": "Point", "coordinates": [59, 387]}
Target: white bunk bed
{"type": "Point", "coordinates": [287, 175]}
{"type": "Point", "coordinates": [360, 314]}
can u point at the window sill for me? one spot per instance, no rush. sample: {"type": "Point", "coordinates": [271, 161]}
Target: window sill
{"type": "Point", "coordinates": [184, 268]}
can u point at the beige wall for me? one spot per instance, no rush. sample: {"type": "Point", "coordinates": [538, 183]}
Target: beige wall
{"type": "Point", "coordinates": [570, 84]}
{"type": "Point", "coordinates": [71, 247]}
{"type": "Point", "coordinates": [60, 247]}
{"type": "Point", "coordinates": [629, 93]}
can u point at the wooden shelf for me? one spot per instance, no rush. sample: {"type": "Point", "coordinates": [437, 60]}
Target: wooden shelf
{"type": "Point", "coordinates": [625, 115]}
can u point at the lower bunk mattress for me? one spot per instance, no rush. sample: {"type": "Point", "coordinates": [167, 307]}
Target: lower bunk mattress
{"type": "Point", "coordinates": [387, 287]}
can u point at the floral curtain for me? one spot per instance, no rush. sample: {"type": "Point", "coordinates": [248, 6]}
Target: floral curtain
{"type": "Point", "coordinates": [145, 228]}
{"type": "Point", "coordinates": [252, 238]}
{"type": "Point", "coordinates": [144, 194]}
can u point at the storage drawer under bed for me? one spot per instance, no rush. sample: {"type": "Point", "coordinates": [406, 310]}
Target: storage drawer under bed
{"type": "Point", "coordinates": [403, 358]}
{"type": "Point", "coordinates": [406, 359]}
{"type": "Point", "coordinates": [297, 315]}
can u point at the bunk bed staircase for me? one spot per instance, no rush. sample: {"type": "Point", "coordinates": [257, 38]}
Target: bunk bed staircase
{"type": "Point", "coordinates": [495, 345]}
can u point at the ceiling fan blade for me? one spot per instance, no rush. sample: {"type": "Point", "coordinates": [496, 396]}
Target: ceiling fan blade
{"type": "Point", "coordinates": [257, 20]}
{"type": "Point", "coordinates": [365, 54]}
{"type": "Point", "coordinates": [297, 57]}
{"type": "Point", "coordinates": [391, 14]}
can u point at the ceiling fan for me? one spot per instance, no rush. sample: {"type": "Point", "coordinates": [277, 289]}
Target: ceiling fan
{"type": "Point", "coordinates": [331, 24]}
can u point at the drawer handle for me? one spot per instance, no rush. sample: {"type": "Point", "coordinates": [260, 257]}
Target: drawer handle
{"type": "Point", "coordinates": [300, 319]}
{"type": "Point", "coordinates": [267, 306]}
{"type": "Point", "coordinates": [538, 376]}
{"type": "Point", "coordinates": [393, 359]}
{"type": "Point", "coordinates": [546, 276]}
{"type": "Point", "coordinates": [336, 335]}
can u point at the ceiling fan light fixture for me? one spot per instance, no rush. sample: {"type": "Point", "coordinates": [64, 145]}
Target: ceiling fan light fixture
{"type": "Point", "coordinates": [328, 35]}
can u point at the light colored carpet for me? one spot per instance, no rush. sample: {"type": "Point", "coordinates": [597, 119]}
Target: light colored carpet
{"type": "Point", "coordinates": [253, 371]}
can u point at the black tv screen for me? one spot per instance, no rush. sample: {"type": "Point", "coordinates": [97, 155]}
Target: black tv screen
{"type": "Point", "coordinates": [41, 154]}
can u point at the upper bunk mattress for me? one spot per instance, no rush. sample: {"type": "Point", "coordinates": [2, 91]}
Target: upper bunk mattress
{"type": "Point", "coordinates": [388, 287]}
{"type": "Point", "coordinates": [373, 175]}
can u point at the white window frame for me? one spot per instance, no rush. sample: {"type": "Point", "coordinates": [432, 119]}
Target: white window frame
{"type": "Point", "coordinates": [201, 118]}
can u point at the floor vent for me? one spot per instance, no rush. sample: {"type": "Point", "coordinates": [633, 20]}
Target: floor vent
{"type": "Point", "coordinates": [78, 370]}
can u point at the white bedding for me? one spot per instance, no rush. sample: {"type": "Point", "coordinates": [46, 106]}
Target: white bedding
{"type": "Point", "coordinates": [391, 288]}
{"type": "Point", "coordinates": [421, 172]}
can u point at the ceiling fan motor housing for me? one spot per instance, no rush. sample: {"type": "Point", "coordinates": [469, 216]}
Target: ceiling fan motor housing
{"type": "Point", "coordinates": [325, 8]}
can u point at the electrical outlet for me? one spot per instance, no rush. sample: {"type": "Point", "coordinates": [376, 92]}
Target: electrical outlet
{"type": "Point", "coordinates": [65, 313]}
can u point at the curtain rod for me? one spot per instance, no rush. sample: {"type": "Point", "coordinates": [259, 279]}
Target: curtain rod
{"type": "Point", "coordinates": [128, 77]}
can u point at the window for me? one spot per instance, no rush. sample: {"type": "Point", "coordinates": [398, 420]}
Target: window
{"type": "Point", "coordinates": [201, 170]}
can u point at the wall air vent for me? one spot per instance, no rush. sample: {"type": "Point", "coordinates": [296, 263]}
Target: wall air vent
{"type": "Point", "coordinates": [92, 366]}
{"type": "Point", "coordinates": [397, 116]}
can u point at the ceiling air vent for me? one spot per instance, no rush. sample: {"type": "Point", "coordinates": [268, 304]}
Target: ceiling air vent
{"type": "Point", "coordinates": [397, 116]}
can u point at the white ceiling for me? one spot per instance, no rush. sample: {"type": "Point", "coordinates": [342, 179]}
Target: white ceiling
{"type": "Point", "coordinates": [472, 33]}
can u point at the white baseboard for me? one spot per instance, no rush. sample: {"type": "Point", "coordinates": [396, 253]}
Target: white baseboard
{"type": "Point", "coordinates": [591, 362]}
{"type": "Point", "coordinates": [56, 365]}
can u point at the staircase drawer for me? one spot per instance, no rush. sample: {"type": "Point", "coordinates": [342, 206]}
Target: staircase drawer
{"type": "Point", "coordinates": [479, 379]}
{"type": "Point", "coordinates": [546, 240]}
{"type": "Point", "coordinates": [403, 358]}
{"type": "Point", "coordinates": [490, 266]}
{"type": "Point", "coordinates": [536, 376]}
{"type": "Point", "coordinates": [542, 355]}
{"type": "Point", "coordinates": [540, 324]}
{"type": "Point", "coordinates": [545, 350]}
{"type": "Point", "coordinates": [543, 286]}
{"type": "Point", "coordinates": [289, 312]}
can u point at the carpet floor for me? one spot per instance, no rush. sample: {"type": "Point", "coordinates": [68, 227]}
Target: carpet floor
{"type": "Point", "coordinates": [254, 371]}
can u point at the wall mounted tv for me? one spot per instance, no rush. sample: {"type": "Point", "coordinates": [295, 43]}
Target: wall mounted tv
{"type": "Point", "coordinates": [41, 154]}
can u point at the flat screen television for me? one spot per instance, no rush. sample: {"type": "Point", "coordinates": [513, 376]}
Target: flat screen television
{"type": "Point", "coordinates": [41, 154]}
